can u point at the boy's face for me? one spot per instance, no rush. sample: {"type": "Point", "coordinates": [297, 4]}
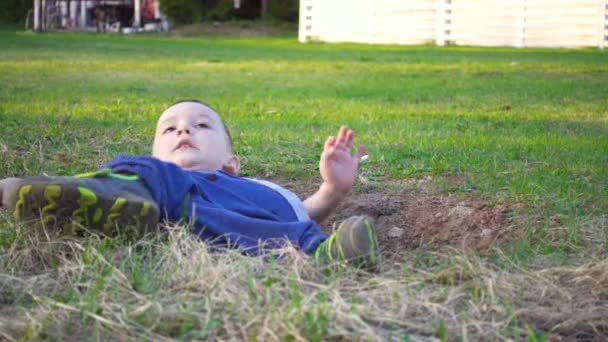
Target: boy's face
{"type": "Point", "coordinates": [192, 136]}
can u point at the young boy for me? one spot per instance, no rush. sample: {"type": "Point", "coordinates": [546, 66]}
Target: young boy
{"type": "Point", "coordinates": [192, 177]}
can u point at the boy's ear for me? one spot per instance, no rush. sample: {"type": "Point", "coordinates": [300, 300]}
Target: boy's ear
{"type": "Point", "coordinates": [232, 165]}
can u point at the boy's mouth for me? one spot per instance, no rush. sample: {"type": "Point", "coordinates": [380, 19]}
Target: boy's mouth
{"type": "Point", "coordinates": [184, 144]}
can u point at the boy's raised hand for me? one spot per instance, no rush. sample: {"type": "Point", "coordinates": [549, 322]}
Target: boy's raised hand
{"type": "Point", "coordinates": [338, 165]}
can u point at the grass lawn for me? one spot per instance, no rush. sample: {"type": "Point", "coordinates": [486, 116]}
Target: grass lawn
{"type": "Point", "coordinates": [526, 128]}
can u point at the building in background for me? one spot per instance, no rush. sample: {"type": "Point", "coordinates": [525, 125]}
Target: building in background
{"type": "Point", "coordinates": [520, 23]}
{"type": "Point", "coordinates": [100, 15]}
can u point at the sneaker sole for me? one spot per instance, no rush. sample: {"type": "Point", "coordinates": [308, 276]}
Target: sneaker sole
{"type": "Point", "coordinates": [356, 246]}
{"type": "Point", "coordinates": [73, 205]}
{"type": "Point", "coordinates": [364, 242]}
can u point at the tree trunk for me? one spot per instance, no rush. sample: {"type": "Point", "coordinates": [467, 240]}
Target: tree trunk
{"type": "Point", "coordinates": [264, 11]}
{"type": "Point", "coordinates": [69, 12]}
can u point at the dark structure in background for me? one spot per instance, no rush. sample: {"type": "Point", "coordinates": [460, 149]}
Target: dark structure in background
{"type": "Point", "coordinates": [100, 15]}
{"type": "Point", "coordinates": [137, 15]}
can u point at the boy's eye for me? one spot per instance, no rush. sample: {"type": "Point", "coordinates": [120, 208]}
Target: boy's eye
{"type": "Point", "coordinates": [202, 125]}
{"type": "Point", "coordinates": [169, 129]}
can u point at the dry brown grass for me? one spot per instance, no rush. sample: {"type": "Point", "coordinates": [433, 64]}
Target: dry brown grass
{"type": "Point", "coordinates": [172, 287]}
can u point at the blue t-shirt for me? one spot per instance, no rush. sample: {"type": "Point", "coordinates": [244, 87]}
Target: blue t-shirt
{"type": "Point", "coordinates": [224, 208]}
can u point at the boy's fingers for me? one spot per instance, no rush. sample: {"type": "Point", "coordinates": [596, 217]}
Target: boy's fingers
{"type": "Point", "coordinates": [350, 136]}
{"type": "Point", "coordinates": [330, 142]}
{"type": "Point", "coordinates": [342, 135]}
{"type": "Point", "coordinates": [360, 152]}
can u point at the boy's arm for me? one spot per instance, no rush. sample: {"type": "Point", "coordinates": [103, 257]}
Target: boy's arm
{"type": "Point", "coordinates": [338, 167]}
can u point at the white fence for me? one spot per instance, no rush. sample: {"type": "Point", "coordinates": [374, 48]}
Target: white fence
{"type": "Point", "coordinates": [547, 23]}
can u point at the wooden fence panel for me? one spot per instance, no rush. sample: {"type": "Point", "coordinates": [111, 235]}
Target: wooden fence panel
{"type": "Point", "coordinates": [551, 23]}
{"type": "Point", "coordinates": [566, 23]}
{"type": "Point", "coordinates": [486, 22]}
{"type": "Point", "coordinates": [404, 22]}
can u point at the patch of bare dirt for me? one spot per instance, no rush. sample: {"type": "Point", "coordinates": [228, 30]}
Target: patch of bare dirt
{"type": "Point", "coordinates": [409, 218]}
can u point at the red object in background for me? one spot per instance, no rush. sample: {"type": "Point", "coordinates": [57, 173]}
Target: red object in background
{"type": "Point", "coordinates": [147, 9]}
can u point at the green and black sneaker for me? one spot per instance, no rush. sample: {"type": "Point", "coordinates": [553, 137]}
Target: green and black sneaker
{"type": "Point", "coordinates": [354, 243]}
{"type": "Point", "coordinates": [102, 201]}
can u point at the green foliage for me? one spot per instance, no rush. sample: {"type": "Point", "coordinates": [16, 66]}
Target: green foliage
{"type": "Point", "coordinates": [440, 331]}
{"type": "Point", "coordinates": [220, 10]}
{"type": "Point", "coordinates": [535, 336]}
{"type": "Point", "coordinates": [284, 10]}
{"type": "Point", "coordinates": [316, 323]}
{"type": "Point", "coordinates": [192, 11]}
{"type": "Point", "coordinates": [14, 11]}
{"type": "Point", "coordinates": [316, 320]}
{"type": "Point", "coordinates": [182, 11]}
{"type": "Point", "coordinates": [223, 10]}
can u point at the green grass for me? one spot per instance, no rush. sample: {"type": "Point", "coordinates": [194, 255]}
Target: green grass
{"type": "Point", "coordinates": [531, 123]}
{"type": "Point", "coordinates": [521, 126]}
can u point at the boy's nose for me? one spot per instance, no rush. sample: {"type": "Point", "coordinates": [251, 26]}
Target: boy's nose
{"type": "Point", "coordinates": [183, 130]}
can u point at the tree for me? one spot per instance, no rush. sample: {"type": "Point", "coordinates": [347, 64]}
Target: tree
{"type": "Point", "coordinates": [192, 11]}
{"type": "Point", "coordinates": [14, 11]}
{"type": "Point", "coordinates": [182, 11]}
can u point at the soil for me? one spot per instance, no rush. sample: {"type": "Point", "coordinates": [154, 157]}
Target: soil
{"type": "Point", "coordinates": [410, 218]}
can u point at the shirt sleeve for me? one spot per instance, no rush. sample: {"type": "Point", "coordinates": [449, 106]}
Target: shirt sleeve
{"type": "Point", "coordinates": [296, 204]}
